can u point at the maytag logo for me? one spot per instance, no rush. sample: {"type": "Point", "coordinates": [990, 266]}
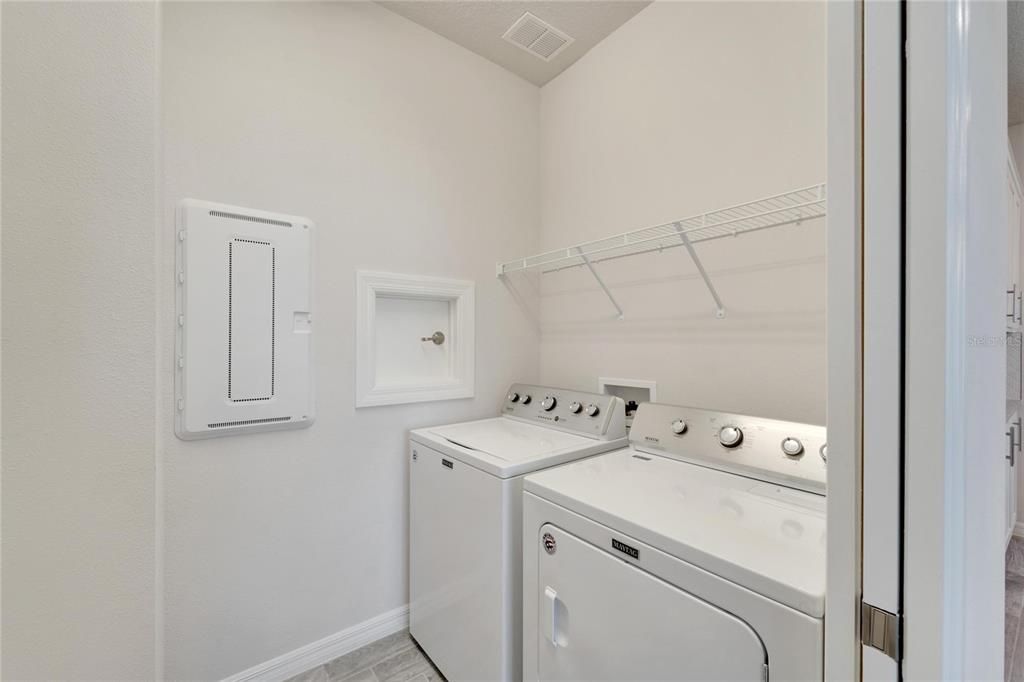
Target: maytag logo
{"type": "Point", "coordinates": [626, 549]}
{"type": "Point", "coordinates": [447, 463]}
{"type": "Point", "coordinates": [652, 439]}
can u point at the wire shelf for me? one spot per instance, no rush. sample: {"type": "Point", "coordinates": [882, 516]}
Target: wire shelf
{"type": "Point", "coordinates": [782, 209]}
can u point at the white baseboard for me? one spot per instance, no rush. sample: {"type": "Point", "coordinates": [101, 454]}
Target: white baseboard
{"type": "Point", "coordinates": [327, 649]}
{"type": "Point", "coordinates": [1018, 529]}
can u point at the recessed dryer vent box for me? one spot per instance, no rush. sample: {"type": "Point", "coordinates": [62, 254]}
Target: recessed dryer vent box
{"type": "Point", "coordinates": [244, 321]}
{"type": "Point", "coordinates": [634, 392]}
{"type": "Point", "coordinates": [638, 390]}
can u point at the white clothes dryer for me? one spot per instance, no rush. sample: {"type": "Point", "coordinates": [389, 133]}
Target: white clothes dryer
{"type": "Point", "coordinates": [696, 553]}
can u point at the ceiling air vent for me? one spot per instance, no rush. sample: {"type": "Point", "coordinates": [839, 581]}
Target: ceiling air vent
{"type": "Point", "coordinates": [537, 37]}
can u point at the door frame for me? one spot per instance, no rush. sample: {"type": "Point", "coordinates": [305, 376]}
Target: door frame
{"type": "Point", "coordinates": [952, 625]}
{"type": "Point", "coordinates": [845, 348]}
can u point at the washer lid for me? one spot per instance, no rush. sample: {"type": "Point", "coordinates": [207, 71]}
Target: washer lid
{"type": "Point", "coordinates": [766, 537]}
{"type": "Point", "coordinates": [508, 440]}
{"type": "Point", "coordinates": [507, 447]}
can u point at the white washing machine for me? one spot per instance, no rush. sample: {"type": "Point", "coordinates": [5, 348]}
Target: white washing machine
{"type": "Point", "coordinates": [697, 553]}
{"type": "Point", "coordinates": [465, 521]}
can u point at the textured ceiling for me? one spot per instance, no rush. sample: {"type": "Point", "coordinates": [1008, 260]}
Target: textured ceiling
{"type": "Point", "coordinates": [478, 25]}
{"type": "Point", "coordinates": [1015, 15]}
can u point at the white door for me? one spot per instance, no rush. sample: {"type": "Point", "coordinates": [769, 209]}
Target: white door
{"type": "Point", "coordinates": [933, 135]}
{"type": "Point", "coordinates": [883, 320]}
{"type": "Point", "coordinates": [956, 274]}
{"type": "Point", "coordinates": [595, 606]}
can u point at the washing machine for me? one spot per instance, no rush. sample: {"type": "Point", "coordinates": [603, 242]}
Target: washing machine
{"type": "Point", "coordinates": [465, 520]}
{"type": "Point", "coordinates": [695, 553]}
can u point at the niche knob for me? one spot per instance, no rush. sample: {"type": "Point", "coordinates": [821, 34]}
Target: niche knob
{"type": "Point", "coordinates": [593, 410]}
{"type": "Point", "coordinates": [575, 407]}
{"type": "Point", "coordinates": [437, 338]}
{"type": "Point", "coordinates": [513, 397]}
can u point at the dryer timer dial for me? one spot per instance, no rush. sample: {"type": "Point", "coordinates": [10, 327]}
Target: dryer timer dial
{"type": "Point", "coordinates": [730, 436]}
{"type": "Point", "coordinates": [792, 447]}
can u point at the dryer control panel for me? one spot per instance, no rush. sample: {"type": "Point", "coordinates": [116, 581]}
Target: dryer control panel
{"type": "Point", "coordinates": [588, 414]}
{"type": "Point", "coordinates": [787, 453]}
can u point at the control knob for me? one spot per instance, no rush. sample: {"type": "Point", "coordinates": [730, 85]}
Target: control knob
{"type": "Point", "coordinates": [679, 427]}
{"type": "Point", "coordinates": [593, 410]}
{"type": "Point", "coordinates": [526, 400]}
{"type": "Point", "coordinates": [730, 436]}
{"type": "Point", "coordinates": [823, 451]}
{"type": "Point", "coordinates": [575, 407]}
{"type": "Point", "coordinates": [792, 447]}
{"type": "Point", "coordinates": [548, 403]}
{"type": "Point", "coordinates": [513, 397]}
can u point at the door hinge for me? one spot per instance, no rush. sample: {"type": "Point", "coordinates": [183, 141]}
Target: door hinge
{"type": "Point", "coordinates": [880, 630]}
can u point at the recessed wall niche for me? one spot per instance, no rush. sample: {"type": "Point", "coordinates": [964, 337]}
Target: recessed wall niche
{"type": "Point", "coordinates": [415, 338]}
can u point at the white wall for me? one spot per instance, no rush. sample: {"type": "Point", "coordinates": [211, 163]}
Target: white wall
{"type": "Point", "coordinates": [411, 155]}
{"type": "Point", "coordinates": [79, 319]}
{"type": "Point", "coordinates": [691, 107]}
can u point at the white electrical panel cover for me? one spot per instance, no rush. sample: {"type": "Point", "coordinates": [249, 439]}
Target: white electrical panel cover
{"type": "Point", "coordinates": [244, 321]}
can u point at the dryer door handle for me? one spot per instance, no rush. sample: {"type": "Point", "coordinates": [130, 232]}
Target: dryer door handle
{"type": "Point", "coordinates": [550, 619]}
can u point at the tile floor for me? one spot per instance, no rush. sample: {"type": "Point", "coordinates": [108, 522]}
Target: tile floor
{"type": "Point", "coordinates": [1014, 661]}
{"type": "Point", "coordinates": [396, 658]}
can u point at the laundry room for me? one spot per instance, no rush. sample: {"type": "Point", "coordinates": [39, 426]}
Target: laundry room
{"type": "Point", "coordinates": [415, 155]}
{"type": "Point", "coordinates": [461, 326]}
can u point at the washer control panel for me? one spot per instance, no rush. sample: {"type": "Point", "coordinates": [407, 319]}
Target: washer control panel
{"type": "Point", "coordinates": [787, 453]}
{"type": "Point", "coordinates": [589, 414]}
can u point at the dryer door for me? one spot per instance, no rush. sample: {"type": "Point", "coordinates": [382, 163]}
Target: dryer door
{"type": "Point", "coordinates": [602, 618]}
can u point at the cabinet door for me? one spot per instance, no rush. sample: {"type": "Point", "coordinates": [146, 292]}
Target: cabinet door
{"type": "Point", "coordinates": [1013, 218]}
{"type": "Point", "coordinates": [1013, 445]}
{"type": "Point", "coordinates": [1016, 218]}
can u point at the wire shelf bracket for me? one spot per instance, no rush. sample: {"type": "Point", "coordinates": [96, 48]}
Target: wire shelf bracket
{"type": "Point", "coordinates": [719, 308]}
{"type": "Point", "coordinates": [604, 287]}
{"type": "Point", "coordinates": [788, 208]}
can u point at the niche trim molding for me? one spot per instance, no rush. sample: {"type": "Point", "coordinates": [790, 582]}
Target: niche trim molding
{"type": "Point", "coordinates": [458, 382]}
